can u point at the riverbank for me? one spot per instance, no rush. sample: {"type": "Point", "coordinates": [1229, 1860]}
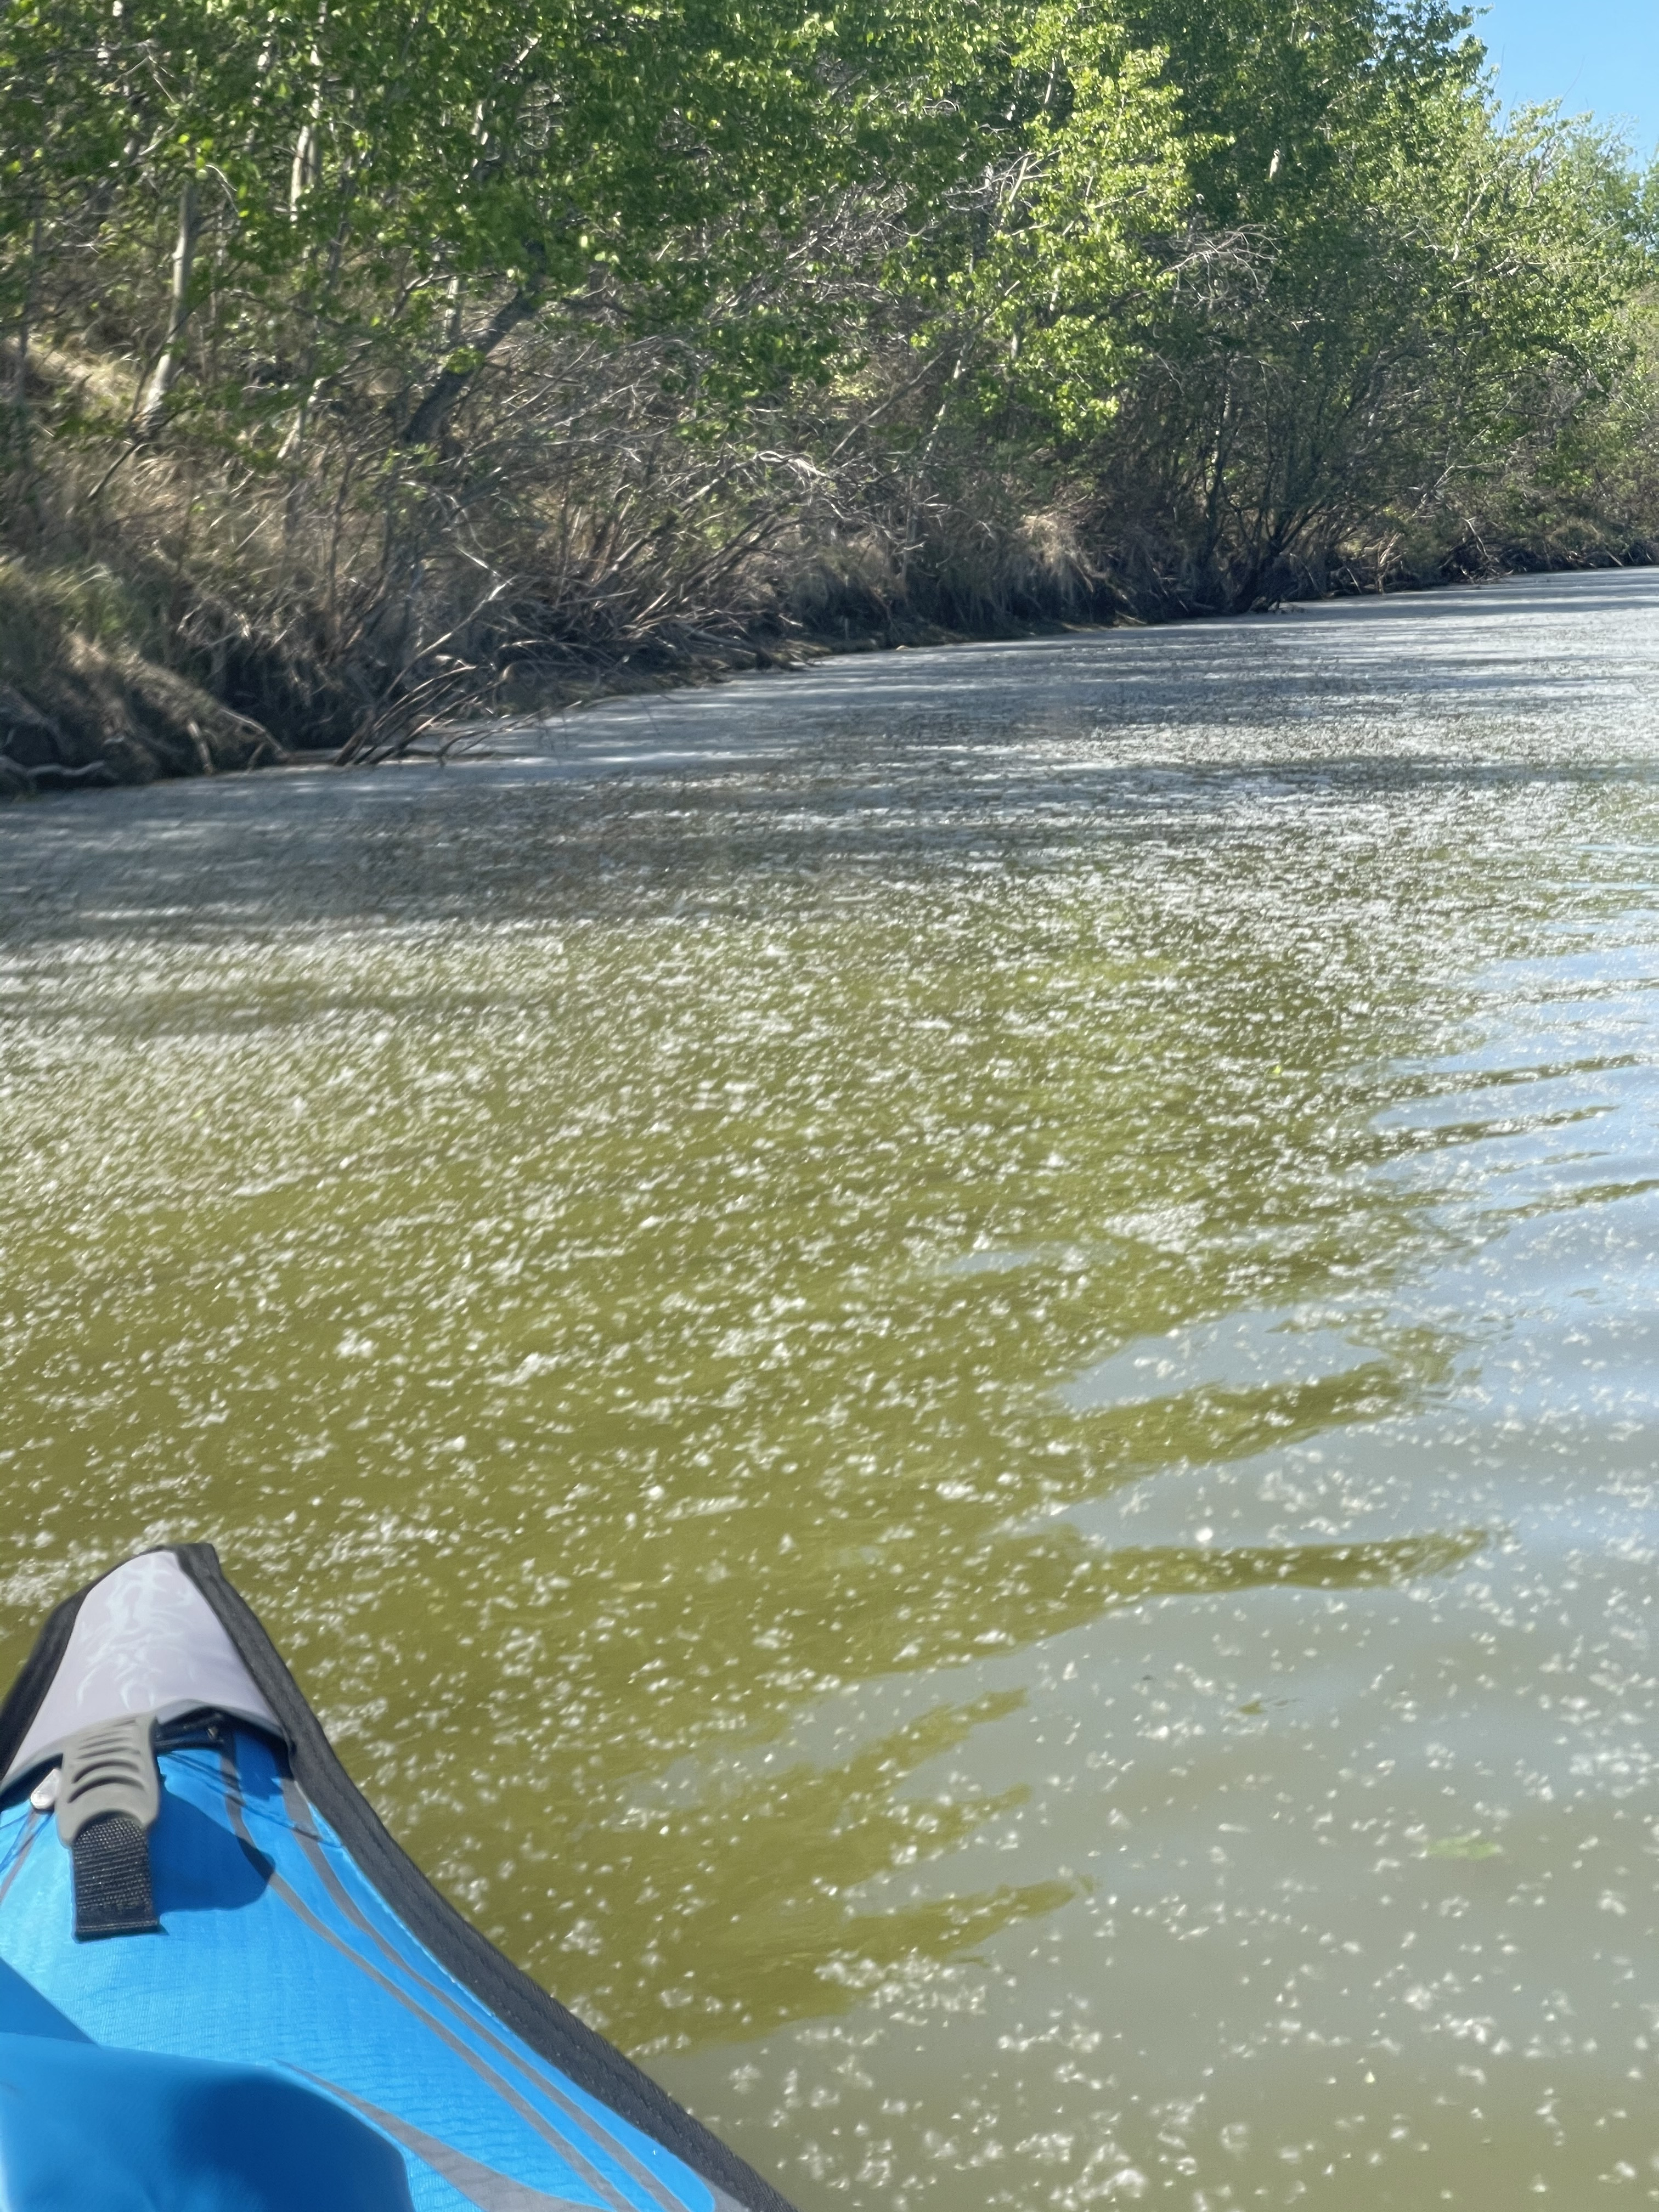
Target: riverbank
{"type": "Point", "coordinates": [83, 705]}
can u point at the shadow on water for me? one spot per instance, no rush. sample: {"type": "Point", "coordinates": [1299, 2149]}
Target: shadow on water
{"type": "Point", "coordinates": [423, 848]}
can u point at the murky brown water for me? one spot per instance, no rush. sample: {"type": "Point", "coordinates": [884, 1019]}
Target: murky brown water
{"type": "Point", "coordinates": [946, 1371]}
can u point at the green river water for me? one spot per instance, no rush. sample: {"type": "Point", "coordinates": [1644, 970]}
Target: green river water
{"type": "Point", "coordinates": [946, 1371]}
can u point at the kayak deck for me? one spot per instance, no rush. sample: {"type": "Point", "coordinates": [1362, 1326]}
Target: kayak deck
{"type": "Point", "coordinates": [277, 1950]}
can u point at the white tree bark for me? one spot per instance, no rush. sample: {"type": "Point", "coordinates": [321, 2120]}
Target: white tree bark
{"type": "Point", "coordinates": [153, 405]}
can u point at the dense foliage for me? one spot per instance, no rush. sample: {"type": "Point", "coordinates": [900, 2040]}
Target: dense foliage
{"type": "Point", "coordinates": [380, 348]}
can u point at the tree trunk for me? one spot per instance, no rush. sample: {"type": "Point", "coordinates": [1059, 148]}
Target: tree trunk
{"type": "Point", "coordinates": [25, 319]}
{"type": "Point", "coordinates": [454, 380]}
{"type": "Point", "coordinates": [306, 167]}
{"type": "Point", "coordinates": [153, 405]}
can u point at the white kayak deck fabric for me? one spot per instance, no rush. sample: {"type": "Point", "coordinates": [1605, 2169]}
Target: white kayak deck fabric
{"type": "Point", "coordinates": [145, 1640]}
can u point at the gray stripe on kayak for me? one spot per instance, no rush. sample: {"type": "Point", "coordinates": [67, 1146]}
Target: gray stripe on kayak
{"type": "Point", "coordinates": [311, 1847]}
{"type": "Point", "coordinates": [31, 1828]}
{"type": "Point", "coordinates": [606, 2191]}
{"type": "Point", "coordinates": [480, 2184]}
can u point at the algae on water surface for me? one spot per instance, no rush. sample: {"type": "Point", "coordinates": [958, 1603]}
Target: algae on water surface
{"type": "Point", "coordinates": [944, 1371]}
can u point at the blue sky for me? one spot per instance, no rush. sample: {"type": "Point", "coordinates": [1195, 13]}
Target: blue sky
{"type": "Point", "coordinates": [1602, 55]}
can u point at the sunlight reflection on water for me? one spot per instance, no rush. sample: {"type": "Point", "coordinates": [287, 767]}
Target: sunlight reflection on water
{"type": "Point", "coordinates": [943, 1369]}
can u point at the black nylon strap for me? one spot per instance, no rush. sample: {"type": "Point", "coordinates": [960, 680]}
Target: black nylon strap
{"type": "Point", "coordinates": [112, 1892]}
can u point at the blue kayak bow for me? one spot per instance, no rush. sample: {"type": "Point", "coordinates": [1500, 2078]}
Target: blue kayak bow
{"type": "Point", "coordinates": [225, 1988]}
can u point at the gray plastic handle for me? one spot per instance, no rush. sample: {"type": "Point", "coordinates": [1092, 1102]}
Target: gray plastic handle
{"type": "Point", "coordinates": [109, 1768]}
